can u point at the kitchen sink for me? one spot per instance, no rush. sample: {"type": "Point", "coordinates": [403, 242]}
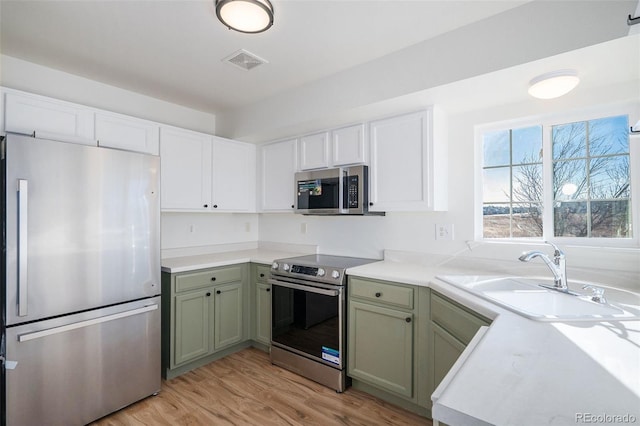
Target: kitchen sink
{"type": "Point", "coordinates": [527, 297]}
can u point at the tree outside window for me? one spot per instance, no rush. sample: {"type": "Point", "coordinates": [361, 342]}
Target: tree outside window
{"type": "Point", "coordinates": [591, 180]}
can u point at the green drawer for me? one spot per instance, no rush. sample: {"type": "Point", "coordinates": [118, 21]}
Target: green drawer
{"type": "Point", "coordinates": [380, 292]}
{"type": "Point", "coordinates": [204, 278]}
{"type": "Point", "coordinates": [262, 273]}
{"type": "Point", "coordinates": [454, 318]}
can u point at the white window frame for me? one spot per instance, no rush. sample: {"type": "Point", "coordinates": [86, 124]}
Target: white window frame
{"type": "Point", "coordinates": [632, 110]}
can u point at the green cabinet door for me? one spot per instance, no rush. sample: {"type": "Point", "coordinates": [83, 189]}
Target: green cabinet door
{"type": "Point", "coordinates": [228, 310]}
{"type": "Point", "coordinates": [381, 346]}
{"type": "Point", "coordinates": [263, 313]}
{"type": "Point", "coordinates": [446, 350]}
{"type": "Point", "coordinates": [192, 330]}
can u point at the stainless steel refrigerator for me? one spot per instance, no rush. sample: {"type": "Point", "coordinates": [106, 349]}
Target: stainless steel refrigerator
{"type": "Point", "coordinates": [81, 280]}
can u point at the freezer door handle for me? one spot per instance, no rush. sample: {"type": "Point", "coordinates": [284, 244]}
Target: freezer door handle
{"type": "Point", "coordinates": [81, 324]}
{"type": "Point", "coordinates": [23, 207]}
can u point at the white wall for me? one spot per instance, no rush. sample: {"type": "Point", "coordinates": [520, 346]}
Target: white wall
{"type": "Point", "coordinates": [205, 230]}
{"type": "Point", "coordinates": [369, 236]}
{"type": "Point", "coordinates": [33, 78]}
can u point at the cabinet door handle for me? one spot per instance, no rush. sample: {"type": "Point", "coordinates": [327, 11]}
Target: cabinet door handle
{"type": "Point", "coordinates": [378, 294]}
{"type": "Point", "coordinates": [371, 203]}
{"type": "Point", "coordinates": [213, 278]}
{"type": "Point", "coordinates": [268, 290]}
{"type": "Point", "coordinates": [206, 206]}
{"type": "Point", "coordinates": [208, 293]}
{"type": "Point", "coordinates": [215, 206]}
{"type": "Point", "coordinates": [408, 319]}
{"type": "Point", "coordinates": [261, 275]}
{"type": "Point", "coordinates": [218, 292]}
{"type": "Point", "coordinates": [292, 206]}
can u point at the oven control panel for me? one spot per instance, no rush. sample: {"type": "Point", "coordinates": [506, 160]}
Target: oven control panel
{"type": "Point", "coordinates": [310, 271]}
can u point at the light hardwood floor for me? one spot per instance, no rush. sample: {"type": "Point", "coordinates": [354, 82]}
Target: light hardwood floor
{"type": "Point", "coordinates": [245, 389]}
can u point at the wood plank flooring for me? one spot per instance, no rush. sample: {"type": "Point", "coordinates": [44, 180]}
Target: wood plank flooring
{"type": "Point", "coordinates": [245, 389]}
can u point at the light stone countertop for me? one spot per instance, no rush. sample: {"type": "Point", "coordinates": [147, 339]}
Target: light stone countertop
{"type": "Point", "coordinates": [203, 261]}
{"type": "Point", "coordinates": [524, 372]}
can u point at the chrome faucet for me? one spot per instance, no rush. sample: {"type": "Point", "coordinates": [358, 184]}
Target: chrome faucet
{"type": "Point", "coordinates": [558, 266]}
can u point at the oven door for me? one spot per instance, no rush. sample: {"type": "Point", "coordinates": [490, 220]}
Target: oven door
{"type": "Point", "coordinates": [308, 320]}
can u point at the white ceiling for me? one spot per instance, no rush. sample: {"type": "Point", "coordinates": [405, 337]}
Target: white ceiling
{"type": "Point", "coordinates": [172, 50]}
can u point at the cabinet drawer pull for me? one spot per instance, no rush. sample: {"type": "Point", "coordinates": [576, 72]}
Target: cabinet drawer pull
{"type": "Point", "coordinates": [408, 319]}
{"type": "Point", "coordinates": [218, 292]}
{"type": "Point", "coordinates": [261, 275]}
{"type": "Point", "coordinates": [208, 293]}
{"type": "Point", "coordinates": [215, 206]}
{"type": "Point", "coordinates": [213, 278]}
{"type": "Point", "coordinates": [378, 294]}
{"type": "Point", "coordinates": [206, 206]}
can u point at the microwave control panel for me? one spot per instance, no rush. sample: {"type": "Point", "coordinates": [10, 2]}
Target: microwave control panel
{"type": "Point", "coordinates": [352, 192]}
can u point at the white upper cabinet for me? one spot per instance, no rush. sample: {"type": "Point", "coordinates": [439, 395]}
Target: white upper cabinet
{"type": "Point", "coordinates": [185, 164]}
{"type": "Point", "coordinates": [277, 174]}
{"type": "Point", "coordinates": [234, 176]}
{"type": "Point", "coordinates": [48, 118]}
{"type": "Point", "coordinates": [349, 145]}
{"type": "Point", "coordinates": [123, 132]}
{"type": "Point", "coordinates": [408, 163]}
{"type": "Point", "coordinates": [338, 147]}
{"type": "Point", "coordinates": [314, 151]}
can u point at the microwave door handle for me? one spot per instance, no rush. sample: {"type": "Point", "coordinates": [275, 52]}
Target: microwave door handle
{"type": "Point", "coordinates": [344, 175]}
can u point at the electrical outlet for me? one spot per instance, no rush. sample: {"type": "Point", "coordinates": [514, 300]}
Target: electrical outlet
{"type": "Point", "coordinates": [444, 232]}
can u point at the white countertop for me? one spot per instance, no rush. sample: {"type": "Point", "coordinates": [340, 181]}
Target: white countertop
{"type": "Point", "coordinates": [523, 372]}
{"type": "Point", "coordinates": [203, 261]}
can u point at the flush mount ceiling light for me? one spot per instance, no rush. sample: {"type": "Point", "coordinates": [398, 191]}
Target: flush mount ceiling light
{"type": "Point", "coordinates": [553, 84]}
{"type": "Point", "coordinates": [245, 16]}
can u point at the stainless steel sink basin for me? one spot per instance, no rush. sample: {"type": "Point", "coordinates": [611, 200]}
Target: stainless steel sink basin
{"type": "Point", "coordinates": [526, 297]}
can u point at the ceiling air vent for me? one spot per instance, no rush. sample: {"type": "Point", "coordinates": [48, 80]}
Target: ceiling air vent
{"type": "Point", "coordinates": [244, 59]}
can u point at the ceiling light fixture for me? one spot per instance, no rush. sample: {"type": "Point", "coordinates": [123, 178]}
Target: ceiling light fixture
{"type": "Point", "coordinates": [245, 16]}
{"type": "Point", "coordinates": [553, 84]}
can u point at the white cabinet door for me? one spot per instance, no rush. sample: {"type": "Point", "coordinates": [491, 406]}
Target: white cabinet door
{"type": "Point", "coordinates": [185, 159]}
{"type": "Point", "coordinates": [314, 151]}
{"type": "Point", "coordinates": [48, 118]}
{"type": "Point", "coordinates": [349, 145]}
{"type": "Point", "coordinates": [277, 169]}
{"type": "Point", "coordinates": [120, 131]}
{"type": "Point", "coordinates": [403, 164]}
{"type": "Point", "coordinates": [234, 176]}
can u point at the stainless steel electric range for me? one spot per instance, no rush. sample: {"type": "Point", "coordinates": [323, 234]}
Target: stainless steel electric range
{"type": "Point", "coordinates": [308, 313]}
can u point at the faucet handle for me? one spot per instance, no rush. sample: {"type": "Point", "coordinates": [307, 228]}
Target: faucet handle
{"type": "Point", "coordinates": [597, 293]}
{"type": "Point", "coordinates": [557, 252]}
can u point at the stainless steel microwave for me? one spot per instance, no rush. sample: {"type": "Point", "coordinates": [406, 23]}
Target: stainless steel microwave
{"type": "Point", "coordinates": [336, 191]}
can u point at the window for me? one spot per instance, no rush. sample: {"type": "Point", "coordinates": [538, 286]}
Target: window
{"type": "Point", "coordinates": [586, 192]}
{"type": "Point", "coordinates": [512, 183]}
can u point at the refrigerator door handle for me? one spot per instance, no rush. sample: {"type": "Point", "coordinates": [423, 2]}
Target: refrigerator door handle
{"type": "Point", "coordinates": [81, 324]}
{"type": "Point", "coordinates": [23, 207]}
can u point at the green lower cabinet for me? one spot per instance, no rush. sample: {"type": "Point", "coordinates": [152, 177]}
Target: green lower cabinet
{"type": "Point", "coordinates": [446, 350]}
{"type": "Point", "coordinates": [229, 329]}
{"type": "Point", "coordinates": [192, 325]}
{"type": "Point", "coordinates": [203, 316]}
{"type": "Point", "coordinates": [451, 328]}
{"type": "Point", "coordinates": [263, 313]}
{"type": "Point", "coordinates": [381, 347]}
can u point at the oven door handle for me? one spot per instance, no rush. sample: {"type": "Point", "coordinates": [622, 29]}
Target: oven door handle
{"type": "Point", "coordinates": [304, 287]}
